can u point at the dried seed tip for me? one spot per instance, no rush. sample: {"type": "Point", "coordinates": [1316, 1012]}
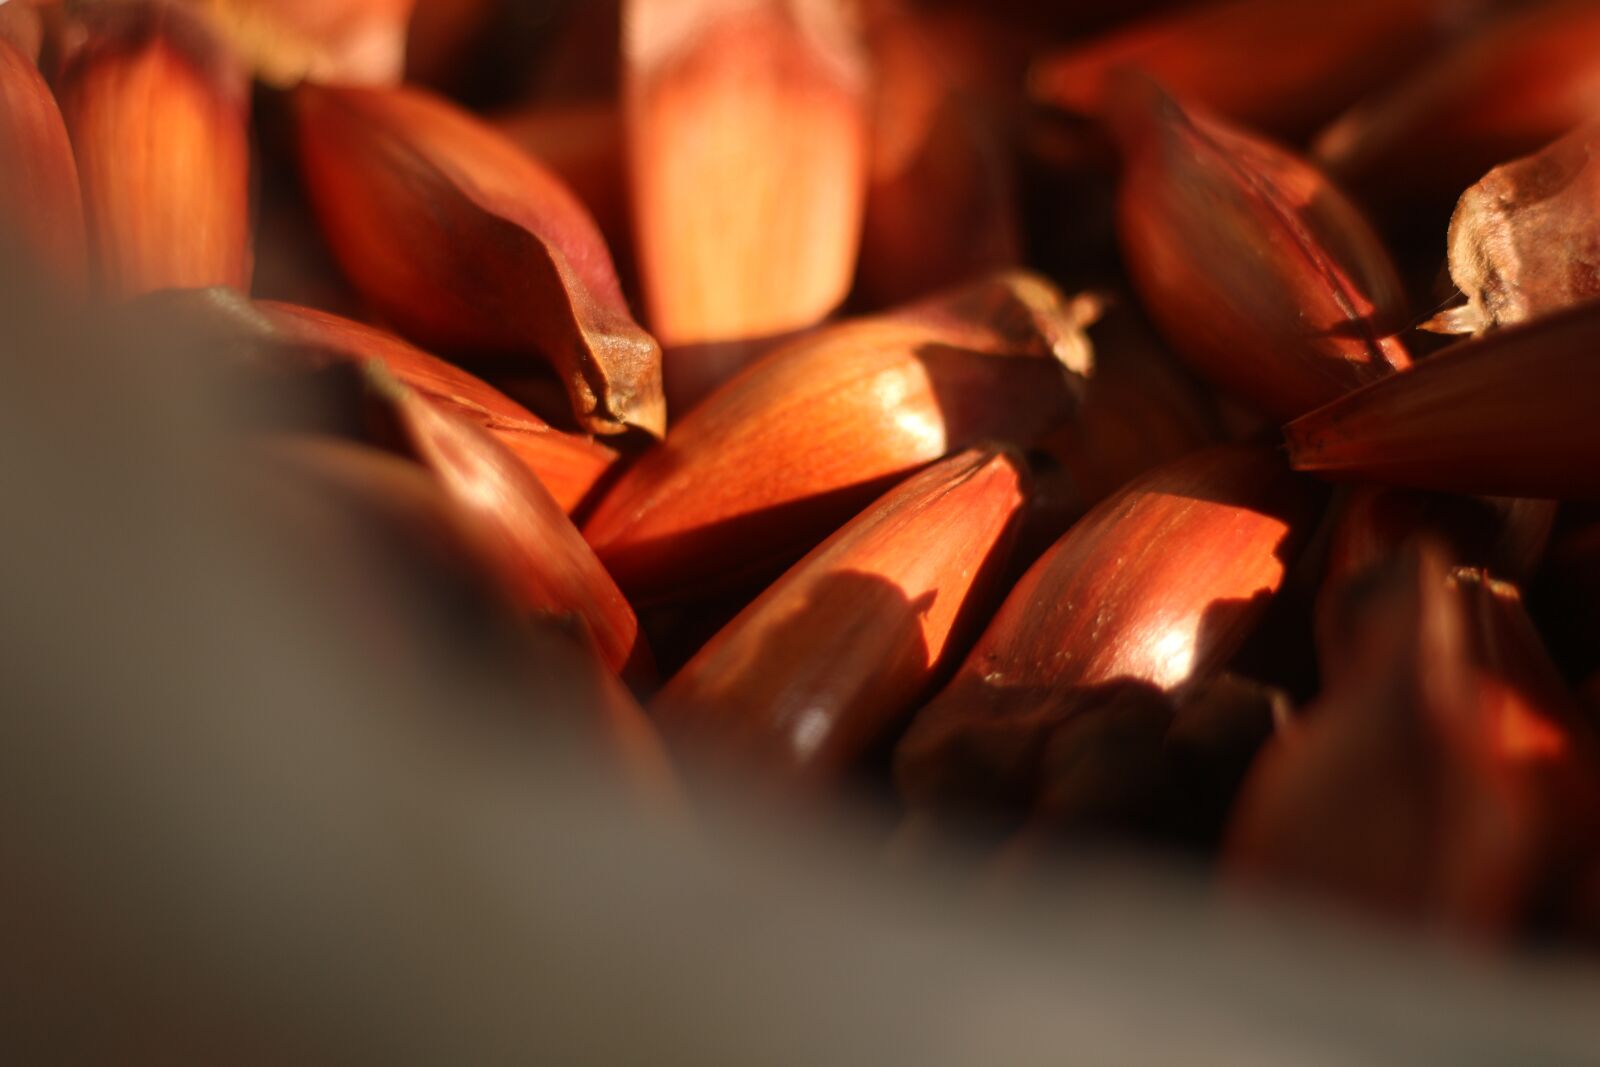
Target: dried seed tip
{"type": "Point", "coordinates": [352, 42]}
{"type": "Point", "coordinates": [1014, 312]}
{"type": "Point", "coordinates": [542, 562]}
{"type": "Point", "coordinates": [1158, 585]}
{"type": "Point", "coordinates": [158, 111]}
{"type": "Point", "coordinates": [1525, 240]}
{"type": "Point", "coordinates": [1304, 64]}
{"type": "Point", "coordinates": [747, 135]}
{"type": "Point", "coordinates": [1259, 273]}
{"type": "Point", "coordinates": [500, 256]}
{"type": "Point", "coordinates": [568, 465]}
{"type": "Point", "coordinates": [827, 661]}
{"type": "Point", "coordinates": [1508, 414]}
{"type": "Point", "coordinates": [865, 402]}
{"type": "Point", "coordinates": [1072, 348]}
{"type": "Point", "coordinates": [41, 207]}
{"type": "Point", "coordinates": [1468, 318]}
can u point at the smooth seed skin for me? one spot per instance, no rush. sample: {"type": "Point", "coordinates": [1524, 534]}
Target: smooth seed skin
{"type": "Point", "coordinates": [1509, 414]}
{"type": "Point", "coordinates": [779, 457]}
{"type": "Point", "coordinates": [159, 115]}
{"type": "Point", "coordinates": [828, 660]}
{"type": "Point", "coordinates": [568, 465]}
{"type": "Point", "coordinates": [499, 256]}
{"type": "Point", "coordinates": [1158, 586]}
{"type": "Point", "coordinates": [1259, 273]}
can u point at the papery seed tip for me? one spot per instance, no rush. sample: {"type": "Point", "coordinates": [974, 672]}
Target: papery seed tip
{"type": "Point", "coordinates": [1468, 318]}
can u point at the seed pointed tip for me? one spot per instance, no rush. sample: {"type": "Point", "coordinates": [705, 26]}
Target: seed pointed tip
{"type": "Point", "coordinates": [649, 415]}
{"type": "Point", "coordinates": [1055, 320]}
{"type": "Point", "coordinates": [1466, 319]}
{"type": "Point", "coordinates": [618, 387]}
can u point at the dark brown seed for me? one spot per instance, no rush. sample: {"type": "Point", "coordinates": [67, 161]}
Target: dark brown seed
{"type": "Point", "coordinates": [1132, 761]}
{"type": "Point", "coordinates": [1377, 525]}
{"type": "Point", "coordinates": [1525, 241]}
{"type": "Point", "coordinates": [1441, 776]}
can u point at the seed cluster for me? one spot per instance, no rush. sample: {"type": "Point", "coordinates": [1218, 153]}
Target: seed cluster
{"type": "Point", "coordinates": [730, 347]}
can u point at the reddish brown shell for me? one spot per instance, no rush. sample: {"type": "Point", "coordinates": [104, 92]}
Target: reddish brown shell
{"type": "Point", "coordinates": [21, 27]}
{"type": "Point", "coordinates": [404, 504]}
{"type": "Point", "coordinates": [774, 461]}
{"type": "Point", "coordinates": [1443, 775]}
{"type": "Point", "coordinates": [581, 143]}
{"type": "Point", "coordinates": [1140, 763]}
{"type": "Point", "coordinates": [940, 206]}
{"type": "Point", "coordinates": [827, 661]}
{"type": "Point", "coordinates": [1140, 411]}
{"type": "Point", "coordinates": [159, 115]}
{"type": "Point", "coordinates": [1510, 414]}
{"type": "Point", "coordinates": [568, 465]}
{"type": "Point", "coordinates": [443, 34]}
{"type": "Point", "coordinates": [1160, 584]}
{"type": "Point", "coordinates": [1257, 271]}
{"type": "Point", "coordinates": [542, 561]}
{"type": "Point", "coordinates": [466, 242]}
{"type": "Point", "coordinates": [41, 205]}
{"type": "Point", "coordinates": [747, 126]}
{"type": "Point", "coordinates": [1375, 523]}
{"type": "Point", "coordinates": [1378, 525]}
